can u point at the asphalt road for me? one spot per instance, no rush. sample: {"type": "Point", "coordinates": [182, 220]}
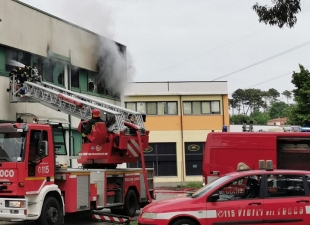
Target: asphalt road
{"type": "Point", "coordinates": [74, 220]}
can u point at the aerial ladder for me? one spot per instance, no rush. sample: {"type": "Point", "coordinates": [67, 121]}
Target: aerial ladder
{"type": "Point", "coordinates": [124, 139]}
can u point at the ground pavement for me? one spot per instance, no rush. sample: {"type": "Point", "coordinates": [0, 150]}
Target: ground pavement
{"type": "Point", "coordinates": [78, 221]}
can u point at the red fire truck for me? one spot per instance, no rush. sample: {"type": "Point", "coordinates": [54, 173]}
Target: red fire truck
{"type": "Point", "coordinates": [224, 150]}
{"type": "Point", "coordinates": [32, 185]}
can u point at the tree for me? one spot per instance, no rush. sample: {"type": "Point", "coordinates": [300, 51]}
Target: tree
{"type": "Point", "coordinates": [283, 12]}
{"type": "Point", "coordinates": [260, 117]}
{"type": "Point", "coordinates": [287, 94]}
{"type": "Point", "coordinates": [239, 119]}
{"type": "Point", "coordinates": [277, 110]}
{"type": "Point", "coordinates": [273, 95]}
{"type": "Point", "coordinates": [300, 113]}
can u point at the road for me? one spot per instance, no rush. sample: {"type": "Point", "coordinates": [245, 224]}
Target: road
{"type": "Point", "coordinates": [85, 221]}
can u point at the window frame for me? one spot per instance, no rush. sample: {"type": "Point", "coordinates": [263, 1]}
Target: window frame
{"type": "Point", "coordinates": [201, 102]}
{"type": "Point", "coordinates": [262, 193]}
{"type": "Point", "coordinates": [306, 186]}
{"type": "Point", "coordinates": [187, 156]}
{"type": "Point", "coordinates": [156, 162]}
{"type": "Point", "coordinates": [157, 114]}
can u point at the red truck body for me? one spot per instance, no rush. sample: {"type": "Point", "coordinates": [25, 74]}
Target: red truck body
{"type": "Point", "coordinates": [224, 150]}
{"type": "Point", "coordinates": [29, 177]}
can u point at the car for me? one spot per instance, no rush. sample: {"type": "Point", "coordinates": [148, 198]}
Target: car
{"type": "Point", "coordinates": [264, 196]}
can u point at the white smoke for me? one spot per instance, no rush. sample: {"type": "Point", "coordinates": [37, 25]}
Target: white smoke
{"type": "Point", "coordinates": [96, 16]}
{"type": "Point", "coordinates": [112, 67]}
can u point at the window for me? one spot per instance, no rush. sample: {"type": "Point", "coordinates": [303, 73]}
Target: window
{"type": "Point", "coordinates": [131, 106]}
{"type": "Point", "coordinates": [199, 108]}
{"type": "Point", "coordinates": [59, 141]}
{"type": "Point", "coordinates": [76, 141]}
{"type": "Point", "coordinates": [16, 58]}
{"type": "Point", "coordinates": [75, 77]}
{"type": "Point", "coordinates": [193, 158]}
{"type": "Point", "coordinates": [161, 157]}
{"type": "Point", "coordinates": [151, 108]}
{"type": "Point", "coordinates": [12, 146]}
{"type": "Point", "coordinates": [285, 185]}
{"type": "Point", "coordinates": [35, 137]}
{"type": "Point", "coordinates": [242, 188]}
{"type": "Point", "coordinates": [53, 71]}
{"type": "Point", "coordinates": [154, 108]}
{"type": "Point", "coordinates": [141, 107]}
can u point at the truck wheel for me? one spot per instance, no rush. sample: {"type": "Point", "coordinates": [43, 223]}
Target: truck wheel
{"type": "Point", "coordinates": [185, 222]}
{"type": "Point", "coordinates": [51, 213]}
{"type": "Point", "coordinates": [131, 202]}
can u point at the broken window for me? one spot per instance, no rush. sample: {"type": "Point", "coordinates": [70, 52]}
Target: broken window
{"type": "Point", "coordinates": [48, 68]}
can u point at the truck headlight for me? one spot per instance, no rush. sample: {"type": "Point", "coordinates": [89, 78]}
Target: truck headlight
{"type": "Point", "coordinates": [148, 215]}
{"type": "Point", "coordinates": [15, 204]}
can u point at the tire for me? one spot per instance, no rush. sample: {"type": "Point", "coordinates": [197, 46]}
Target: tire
{"type": "Point", "coordinates": [51, 213]}
{"type": "Point", "coordinates": [131, 203]}
{"type": "Point", "coordinates": [184, 222]}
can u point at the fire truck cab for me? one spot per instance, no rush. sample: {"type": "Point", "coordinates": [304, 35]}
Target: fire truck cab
{"type": "Point", "coordinates": [224, 150]}
{"type": "Point", "coordinates": [263, 196]}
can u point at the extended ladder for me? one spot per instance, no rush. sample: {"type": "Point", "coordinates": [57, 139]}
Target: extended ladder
{"type": "Point", "coordinates": [75, 104]}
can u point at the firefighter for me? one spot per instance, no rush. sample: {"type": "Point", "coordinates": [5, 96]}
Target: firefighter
{"type": "Point", "coordinates": [131, 118]}
{"type": "Point", "coordinates": [91, 123]}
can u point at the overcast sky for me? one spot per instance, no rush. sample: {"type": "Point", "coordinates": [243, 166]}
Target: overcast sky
{"type": "Point", "coordinates": [203, 40]}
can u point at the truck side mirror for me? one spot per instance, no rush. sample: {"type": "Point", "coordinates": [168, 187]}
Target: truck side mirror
{"type": "Point", "coordinates": [213, 198]}
{"type": "Point", "coordinates": [43, 148]}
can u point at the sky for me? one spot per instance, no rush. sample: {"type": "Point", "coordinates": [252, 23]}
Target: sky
{"type": "Point", "coordinates": [195, 40]}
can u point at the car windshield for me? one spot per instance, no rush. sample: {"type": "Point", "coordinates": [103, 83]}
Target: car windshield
{"type": "Point", "coordinates": [11, 146]}
{"type": "Point", "coordinates": [205, 189]}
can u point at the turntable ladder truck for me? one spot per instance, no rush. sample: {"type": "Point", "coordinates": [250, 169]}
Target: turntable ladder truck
{"type": "Point", "coordinates": [34, 188]}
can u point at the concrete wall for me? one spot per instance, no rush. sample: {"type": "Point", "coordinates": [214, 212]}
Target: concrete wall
{"type": "Point", "coordinates": [33, 31]}
{"type": "Point", "coordinates": [30, 30]}
{"type": "Point", "coordinates": [179, 128]}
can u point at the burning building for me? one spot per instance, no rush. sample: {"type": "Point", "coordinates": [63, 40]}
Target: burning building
{"type": "Point", "coordinates": [64, 54]}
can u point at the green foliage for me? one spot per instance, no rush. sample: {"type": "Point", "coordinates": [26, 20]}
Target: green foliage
{"type": "Point", "coordinates": [300, 113]}
{"type": "Point", "coordinates": [277, 110]}
{"type": "Point", "coordinates": [134, 222]}
{"type": "Point", "coordinates": [258, 106]}
{"type": "Point", "coordinates": [193, 184]}
{"type": "Point", "coordinates": [240, 118]}
{"type": "Point", "coordinates": [260, 117]}
{"type": "Point", "coordinates": [283, 12]}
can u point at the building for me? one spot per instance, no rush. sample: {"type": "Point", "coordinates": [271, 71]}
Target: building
{"type": "Point", "coordinates": [66, 55]}
{"type": "Point", "coordinates": [179, 117]}
{"type": "Point", "coordinates": [278, 121]}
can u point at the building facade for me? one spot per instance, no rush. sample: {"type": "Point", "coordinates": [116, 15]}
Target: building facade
{"type": "Point", "coordinates": [179, 117]}
{"type": "Point", "coordinates": [65, 54]}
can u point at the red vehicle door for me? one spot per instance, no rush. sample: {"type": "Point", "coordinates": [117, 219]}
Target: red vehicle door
{"type": "Point", "coordinates": [287, 200]}
{"type": "Point", "coordinates": [239, 202]}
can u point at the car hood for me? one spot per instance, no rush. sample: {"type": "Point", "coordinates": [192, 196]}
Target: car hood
{"type": "Point", "coordinates": [170, 205]}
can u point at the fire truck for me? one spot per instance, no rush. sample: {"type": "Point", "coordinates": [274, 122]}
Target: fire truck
{"type": "Point", "coordinates": [224, 150]}
{"type": "Point", "coordinates": [33, 187]}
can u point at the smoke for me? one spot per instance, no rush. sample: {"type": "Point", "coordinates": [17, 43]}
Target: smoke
{"type": "Point", "coordinates": [112, 67]}
{"type": "Point", "coordinates": [97, 16]}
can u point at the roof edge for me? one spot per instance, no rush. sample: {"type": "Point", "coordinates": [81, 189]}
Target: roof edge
{"type": "Point", "coordinates": [65, 21]}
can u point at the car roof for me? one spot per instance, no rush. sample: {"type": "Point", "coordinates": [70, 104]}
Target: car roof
{"type": "Point", "coordinates": [262, 172]}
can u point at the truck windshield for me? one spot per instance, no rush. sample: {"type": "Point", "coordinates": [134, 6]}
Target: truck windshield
{"type": "Point", "coordinates": [205, 189]}
{"type": "Point", "coordinates": [11, 146]}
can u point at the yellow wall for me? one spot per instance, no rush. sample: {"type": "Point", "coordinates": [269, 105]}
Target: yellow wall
{"type": "Point", "coordinates": [168, 128]}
